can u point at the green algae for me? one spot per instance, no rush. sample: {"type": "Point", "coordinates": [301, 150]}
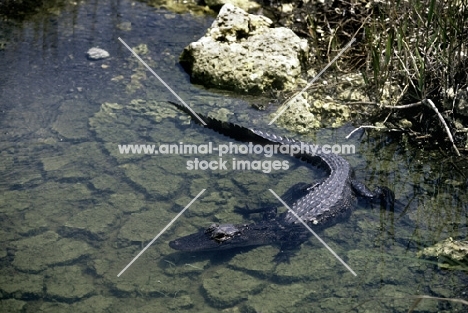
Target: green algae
{"type": "Point", "coordinates": [322, 268]}
{"type": "Point", "coordinates": [74, 161]}
{"type": "Point", "coordinates": [257, 262]}
{"type": "Point", "coordinates": [181, 303]}
{"type": "Point", "coordinates": [125, 26]}
{"type": "Point", "coordinates": [281, 298]}
{"type": "Point", "coordinates": [150, 176]}
{"type": "Point", "coordinates": [450, 253]}
{"type": "Point", "coordinates": [106, 183]}
{"type": "Point", "coordinates": [225, 287]}
{"type": "Point", "coordinates": [127, 202]}
{"type": "Point", "coordinates": [142, 227]}
{"type": "Point", "coordinates": [12, 305]}
{"type": "Point", "coordinates": [92, 304]}
{"type": "Point", "coordinates": [37, 253]}
{"type": "Point", "coordinates": [144, 278]}
{"type": "Point", "coordinates": [72, 121]}
{"type": "Point", "coordinates": [21, 284]}
{"type": "Point", "coordinates": [96, 223]}
{"type": "Point", "coordinates": [141, 49]}
{"type": "Point", "coordinates": [221, 114]}
{"type": "Point", "coordinates": [14, 201]}
{"type": "Point", "coordinates": [68, 283]}
{"type": "Point", "coordinates": [47, 203]}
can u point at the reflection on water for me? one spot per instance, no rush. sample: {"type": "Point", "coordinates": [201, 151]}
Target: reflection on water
{"type": "Point", "coordinates": [75, 211]}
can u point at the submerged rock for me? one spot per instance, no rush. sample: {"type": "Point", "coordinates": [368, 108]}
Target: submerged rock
{"type": "Point", "coordinates": [92, 304]}
{"type": "Point", "coordinates": [51, 203]}
{"type": "Point", "coordinates": [145, 278]}
{"type": "Point", "coordinates": [454, 251]}
{"type": "Point", "coordinates": [37, 253]}
{"type": "Point", "coordinates": [20, 284]}
{"type": "Point", "coordinates": [227, 288]}
{"type": "Point", "coordinates": [323, 268]}
{"type": "Point", "coordinates": [142, 227]}
{"type": "Point", "coordinates": [241, 52]}
{"type": "Point", "coordinates": [68, 283]}
{"type": "Point", "coordinates": [127, 202]}
{"type": "Point", "coordinates": [97, 54]}
{"type": "Point", "coordinates": [257, 261]}
{"type": "Point", "coordinates": [284, 298]}
{"type": "Point", "coordinates": [72, 121]}
{"type": "Point", "coordinates": [151, 176]}
{"type": "Point", "coordinates": [73, 161]}
{"type": "Point", "coordinates": [95, 223]}
{"type": "Point", "coordinates": [12, 305]}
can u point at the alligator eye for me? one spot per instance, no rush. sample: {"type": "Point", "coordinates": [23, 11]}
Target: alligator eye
{"type": "Point", "coordinates": [212, 228]}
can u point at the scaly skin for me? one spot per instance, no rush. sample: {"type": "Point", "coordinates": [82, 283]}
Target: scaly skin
{"type": "Point", "coordinates": [319, 205]}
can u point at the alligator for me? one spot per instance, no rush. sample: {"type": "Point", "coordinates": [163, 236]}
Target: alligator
{"type": "Point", "coordinates": [320, 205]}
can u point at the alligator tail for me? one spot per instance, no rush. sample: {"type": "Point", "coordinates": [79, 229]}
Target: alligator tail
{"type": "Point", "coordinates": [228, 129]}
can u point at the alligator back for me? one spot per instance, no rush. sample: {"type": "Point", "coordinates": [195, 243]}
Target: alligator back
{"type": "Point", "coordinates": [327, 201]}
{"type": "Point", "coordinates": [320, 205]}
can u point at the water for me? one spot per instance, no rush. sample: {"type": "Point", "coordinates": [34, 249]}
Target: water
{"type": "Point", "coordinates": [74, 211]}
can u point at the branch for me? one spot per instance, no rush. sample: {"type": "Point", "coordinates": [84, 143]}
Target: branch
{"type": "Point", "coordinates": [404, 106]}
{"type": "Point", "coordinates": [370, 126]}
{"type": "Point", "coordinates": [441, 118]}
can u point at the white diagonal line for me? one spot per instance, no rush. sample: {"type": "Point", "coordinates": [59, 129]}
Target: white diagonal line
{"type": "Point", "coordinates": [313, 233]}
{"type": "Point", "coordinates": [163, 82]}
{"type": "Point", "coordinates": [161, 232]}
{"type": "Point", "coordinates": [312, 81]}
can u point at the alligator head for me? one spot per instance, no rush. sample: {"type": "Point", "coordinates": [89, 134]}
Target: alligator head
{"type": "Point", "coordinates": [228, 236]}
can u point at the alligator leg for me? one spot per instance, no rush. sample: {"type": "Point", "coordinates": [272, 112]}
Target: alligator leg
{"type": "Point", "coordinates": [291, 242]}
{"type": "Point", "coordinates": [382, 194]}
{"type": "Point", "coordinates": [268, 212]}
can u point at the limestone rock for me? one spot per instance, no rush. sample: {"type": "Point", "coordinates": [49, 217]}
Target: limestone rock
{"type": "Point", "coordinates": [39, 252]}
{"type": "Point", "coordinates": [247, 5]}
{"type": "Point", "coordinates": [226, 287]}
{"type": "Point", "coordinates": [142, 227]}
{"type": "Point", "coordinates": [68, 283]}
{"type": "Point", "coordinates": [95, 223]}
{"type": "Point", "coordinates": [12, 305]}
{"type": "Point", "coordinates": [72, 121]}
{"type": "Point", "coordinates": [92, 304]}
{"type": "Point", "coordinates": [451, 251]}
{"type": "Point", "coordinates": [241, 52]}
{"type": "Point", "coordinates": [20, 284]}
{"type": "Point", "coordinates": [97, 54]}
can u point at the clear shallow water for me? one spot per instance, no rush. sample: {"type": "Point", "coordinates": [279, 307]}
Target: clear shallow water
{"type": "Point", "coordinates": [74, 212]}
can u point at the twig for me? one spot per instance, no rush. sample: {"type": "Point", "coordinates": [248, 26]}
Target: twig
{"type": "Point", "coordinates": [370, 126]}
{"type": "Point", "coordinates": [198, 268]}
{"type": "Point", "coordinates": [404, 106]}
{"type": "Point", "coordinates": [419, 298]}
{"type": "Point", "coordinates": [441, 118]}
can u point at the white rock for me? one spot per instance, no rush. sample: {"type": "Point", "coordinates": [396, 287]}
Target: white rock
{"type": "Point", "coordinates": [97, 54]}
{"type": "Point", "coordinates": [241, 51]}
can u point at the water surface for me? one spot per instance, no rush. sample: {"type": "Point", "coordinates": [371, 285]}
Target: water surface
{"type": "Point", "coordinates": [74, 211]}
